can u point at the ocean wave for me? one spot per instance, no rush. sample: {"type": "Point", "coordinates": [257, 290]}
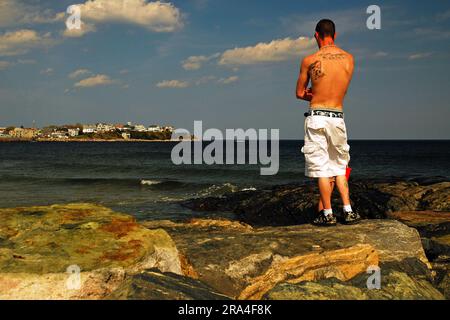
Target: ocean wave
{"type": "Point", "coordinates": [92, 181]}
{"type": "Point", "coordinates": [218, 190]}
{"type": "Point", "coordinates": [150, 182]}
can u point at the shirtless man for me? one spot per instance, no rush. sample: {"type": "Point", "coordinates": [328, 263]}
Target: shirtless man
{"type": "Point", "coordinates": [326, 150]}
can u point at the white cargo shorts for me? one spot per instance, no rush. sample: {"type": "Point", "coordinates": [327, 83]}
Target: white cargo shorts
{"type": "Point", "coordinates": [326, 150]}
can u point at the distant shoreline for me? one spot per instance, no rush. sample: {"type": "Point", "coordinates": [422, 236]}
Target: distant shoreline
{"type": "Point", "coordinates": [6, 140]}
{"type": "Point", "coordinates": [82, 140]}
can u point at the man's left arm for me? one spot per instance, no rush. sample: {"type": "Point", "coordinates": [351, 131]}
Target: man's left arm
{"type": "Point", "coordinates": [302, 91]}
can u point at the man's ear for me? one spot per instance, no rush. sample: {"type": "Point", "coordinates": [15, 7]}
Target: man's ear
{"type": "Point", "coordinates": [316, 35]}
{"type": "Point", "coordinates": [335, 35]}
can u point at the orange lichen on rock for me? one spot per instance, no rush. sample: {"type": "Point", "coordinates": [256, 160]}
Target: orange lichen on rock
{"type": "Point", "coordinates": [416, 218]}
{"type": "Point", "coordinates": [342, 264]}
{"type": "Point", "coordinates": [120, 227]}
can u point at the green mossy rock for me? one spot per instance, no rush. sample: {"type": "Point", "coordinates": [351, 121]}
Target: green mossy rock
{"type": "Point", "coordinates": [49, 239]}
{"type": "Point", "coordinates": [38, 244]}
{"type": "Point", "coordinates": [394, 286]}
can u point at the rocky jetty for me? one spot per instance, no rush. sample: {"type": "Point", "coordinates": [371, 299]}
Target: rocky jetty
{"type": "Point", "coordinates": [296, 204]}
{"type": "Point", "coordinates": [268, 252]}
{"type": "Point", "coordinates": [422, 205]}
{"type": "Point", "coordinates": [250, 263]}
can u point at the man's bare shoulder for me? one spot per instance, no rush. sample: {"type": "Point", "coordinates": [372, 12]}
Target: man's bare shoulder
{"type": "Point", "coordinates": [347, 54]}
{"type": "Point", "coordinates": [308, 60]}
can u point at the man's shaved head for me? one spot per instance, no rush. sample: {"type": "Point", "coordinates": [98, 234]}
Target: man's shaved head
{"type": "Point", "coordinates": [326, 28]}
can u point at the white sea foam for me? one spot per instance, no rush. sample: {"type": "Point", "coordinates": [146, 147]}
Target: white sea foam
{"type": "Point", "coordinates": [149, 182]}
{"type": "Point", "coordinates": [218, 189]}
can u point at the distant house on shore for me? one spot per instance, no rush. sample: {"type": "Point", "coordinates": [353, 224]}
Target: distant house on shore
{"type": "Point", "coordinates": [140, 128]}
{"type": "Point", "coordinates": [104, 127]}
{"type": "Point", "coordinates": [169, 128]}
{"type": "Point", "coordinates": [119, 126]}
{"type": "Point", "coordinates": [3, 133]}
{"type": "Point", "coordinates": [154, 128]}
{"type": "Point", "coordinates": [73, 132]}
{"type": "Point", "coordinates": [128, 127]}
{"type": "Point", "coordinates": [59, 135]}
{"type": "Point", "coordinates": [126, 135]}
{"type": "Point", "coordinates": [89, 128]}
{"type": "Point", "coordinates": [24, 133]}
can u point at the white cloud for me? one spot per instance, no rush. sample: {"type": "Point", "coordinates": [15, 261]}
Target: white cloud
{"type": "Point", "coordinates": [21, 41]}
{"type": "Point", "coordinates": [196, 62]}
{"type": "Point", "coordinates": [47, 72]}
{"type": "Point", "coordinates": [78, 73]}
{"type": "Point", "coordinates": [206, 80]}
{"type": "Point", "coordinates": [16, 12]}
{"type": "Point", "coordinates": [228, 80]}
{"type": "Point", "coordinates": [178, 84]}
{"type": "Point", "coordinates": [155, 16]}
{"type": "Point", "coordinates": [95, 81]}
{"type": "Point", "coordinates": [417, 56]}
{"type": "Point", "coordinates": [76, 33]}
{"type": "Point", "coordinates": [380, 54]}
{"type": "Point", "coordinates": [274, 51]}
{"type": "Point", "coordinates": [9, 64]}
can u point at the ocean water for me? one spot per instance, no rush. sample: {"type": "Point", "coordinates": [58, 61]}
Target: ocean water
{"type": "Point", "coordinates": [140, 179]}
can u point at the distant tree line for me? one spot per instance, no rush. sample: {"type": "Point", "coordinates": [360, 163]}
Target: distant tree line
{"type": "Point", "coordinates": [165, 135]}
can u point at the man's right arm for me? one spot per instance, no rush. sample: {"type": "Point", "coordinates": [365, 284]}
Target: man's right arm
{"type": "Point", "coordinates": [302, 91]}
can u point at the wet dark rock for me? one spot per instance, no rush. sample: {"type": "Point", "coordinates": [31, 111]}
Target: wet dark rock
{"type": "Point", "coordinates": [296, 204]}
{"type": "Point", "coordinates": [154, 285]}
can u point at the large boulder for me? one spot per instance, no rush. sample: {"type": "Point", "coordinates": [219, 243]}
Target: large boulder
{"type": "Point", "coordinates": [244, 262]}
{"type": "Point", "coordinates": [296, 204]}
{"type": "Point", "coordinates": [39, 245]}
{"type": "Point", "coordinates": [412, 196]}
{"type": "Point", "coordinates": [342, 264]}
{"type": "Point", "coordinates": [394, 286]}
{"type": "Point", "coordinates": [434, 228]}
{"type": "Point", "coordinates": [154, 285]}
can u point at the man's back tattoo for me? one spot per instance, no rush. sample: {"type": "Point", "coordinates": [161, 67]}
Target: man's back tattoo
{"type": "Point", "coordinates": [333, 56]}
{"type": "Point", "coordinates": [315, 70]}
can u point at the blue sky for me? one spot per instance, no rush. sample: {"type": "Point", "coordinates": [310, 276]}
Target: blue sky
{"type": "Point", "coordinates": [134, 64]}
